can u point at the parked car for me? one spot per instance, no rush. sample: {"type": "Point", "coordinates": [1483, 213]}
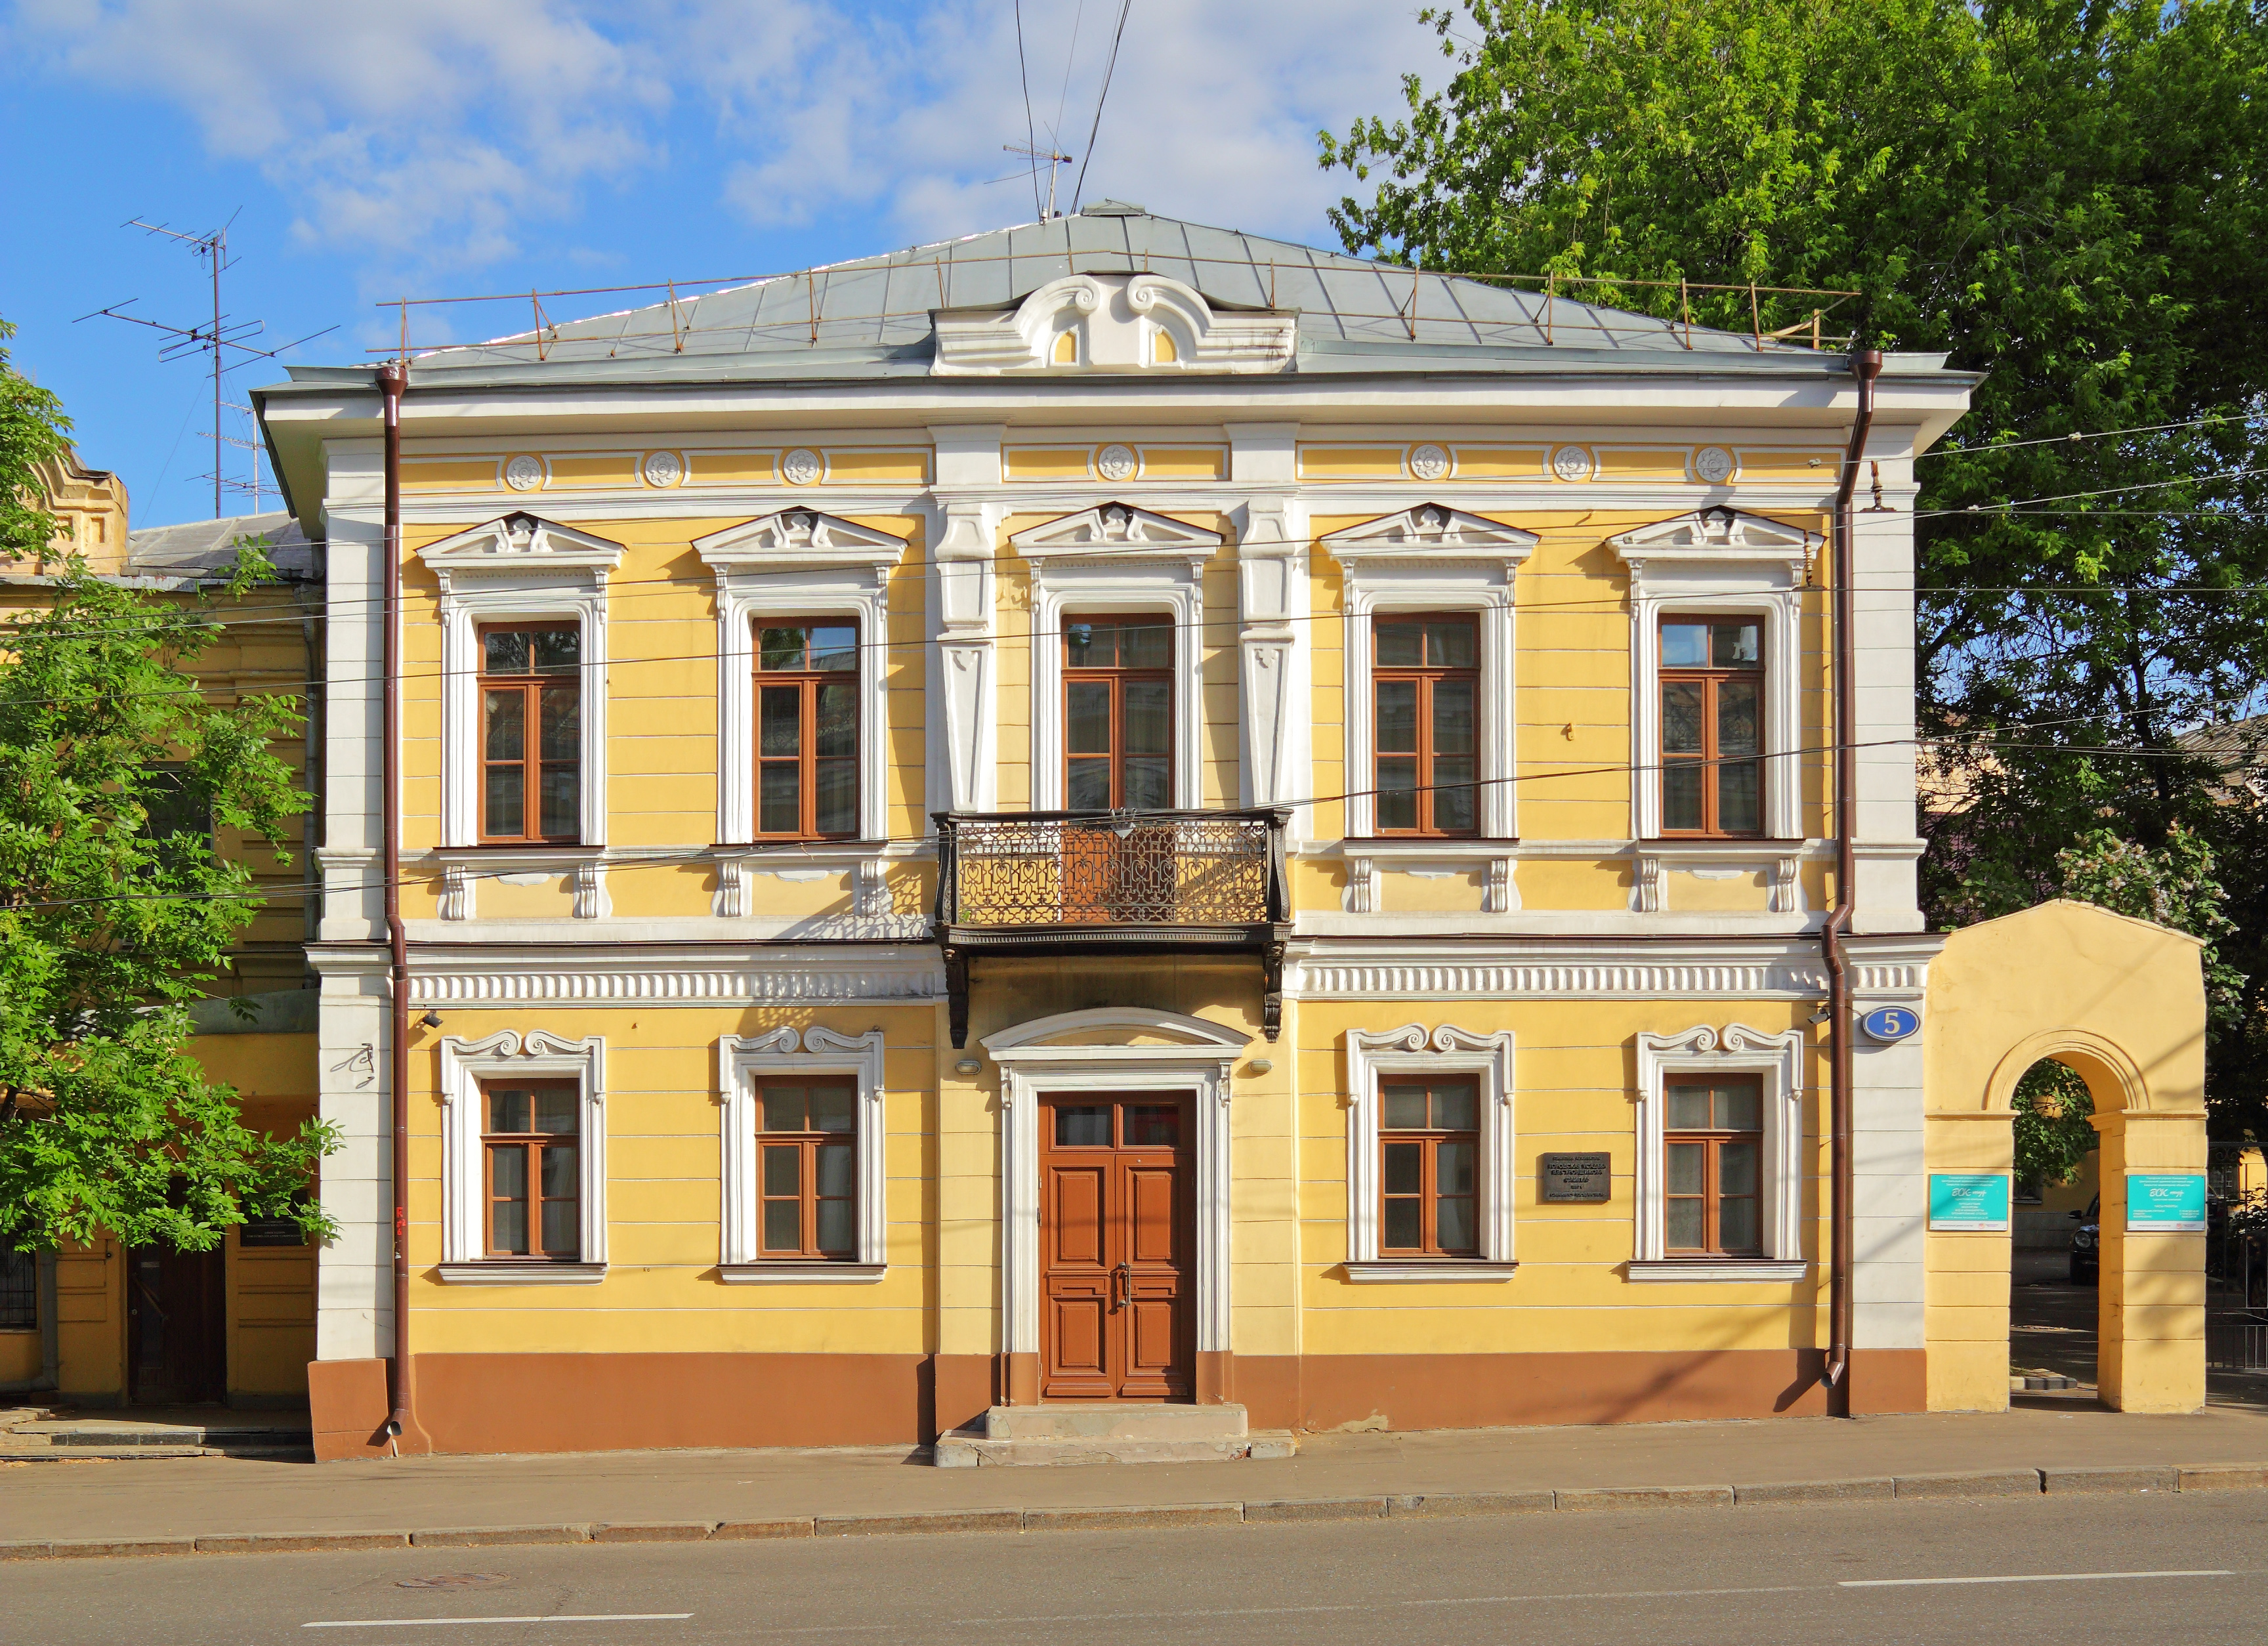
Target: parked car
{"type": "Point", "coordinates": [2087, 1245]}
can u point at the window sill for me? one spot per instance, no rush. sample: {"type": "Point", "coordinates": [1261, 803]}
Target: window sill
{"type": "Point", "coordinates": [819, 1273]}
{"type": "Point", "coordinates": [504, 1272]}
{"type": "Point", "coordinates": [1675, 1269]}
{"type": "Point", "coordinates": [1472, 1270]}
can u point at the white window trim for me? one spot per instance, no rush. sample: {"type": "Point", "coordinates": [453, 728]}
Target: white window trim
{"type": "Point", "coordinates": [1198, 1058]}
{"type": "Point", "coordinates": [533, 569]}
{"type": "Point", "coordinates": [1447, 1050]}
{"type": "Point", "coordinates": [1719, 563]}
{"type": "Point", "coordinates": [1779, 1059]}
{"type": "Point", "coordinates": [799, 563]}
{"type": "Point", "coordinates": [508, 1055]}
{"type": "Point", "coordinates": [1085, 563]}
{"type": "Point", "coordinates": [1430, 557]}
{"type": "Point", "coordinates": [740, 1061]}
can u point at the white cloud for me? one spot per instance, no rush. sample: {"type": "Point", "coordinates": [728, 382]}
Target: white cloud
{"type": "Point", "coordinates": [454, 126]}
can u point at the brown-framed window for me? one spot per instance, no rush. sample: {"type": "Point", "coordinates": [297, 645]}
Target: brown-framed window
{"type": "Point", "coordinates": [532, 732]}
{"type": "Point", "coordinates": [532, 1137]}
{"type": "Point", "coordinates": [1712, 718]}
{"type": "Point", "coordinates": [1713, 1145]}
{"type": "Point", "coordinates": [1428, 1145]}
{"type": "Point", "coordinates": [1118, 713]}
{"type": "Point", "coordinates": [808, 1170]}
{"type": "Point", "coordinates": [807, 730]}
{"type": "Point", "coordinates": [1426, 686]}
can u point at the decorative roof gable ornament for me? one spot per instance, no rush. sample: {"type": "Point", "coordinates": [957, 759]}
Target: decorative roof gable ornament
{"type": "Point", "coordinates": [1103, 322]}
{"type": "Point", "coordinates": [1431, 531]}
{"type": "Point", "coordinates": [518, 544]}
{"type": "Point", "coordinates": [1718, 535]}
{"type": "Point", "coordinates": [1118, 531]}
{"type": "Point", "coordinates": [798, 537]}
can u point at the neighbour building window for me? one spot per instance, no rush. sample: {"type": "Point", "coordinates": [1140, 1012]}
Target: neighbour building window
{"type": "Point", "coordinates": [20, 1291]}
{"type": "Point", "coordinates": [808, 1173]}
{"type": "Point", "coordinates": [1429, 1153]}
{"type": "Point", "coordinates": [1713, 1146]}
{"type": "Point", "coordinates": [1713, 686]}
{"type": "Point", "coordinates": [1118, 713]}
{"type": "Point", "coordinates": [1425, 682]}
{"type": "Point", "coordinates": [531, 1140]}
{"type": "Point", "coordinates": [531, 733]}
{"type": "Point", "coordinates": [807, 731]}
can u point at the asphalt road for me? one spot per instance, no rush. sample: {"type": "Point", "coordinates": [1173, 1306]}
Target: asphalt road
{"type": "Point", "coordinates": [2091, 1570]}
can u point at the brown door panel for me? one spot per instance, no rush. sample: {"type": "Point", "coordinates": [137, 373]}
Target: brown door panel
{"type": "Point", "coordinates": [1119, 1238]}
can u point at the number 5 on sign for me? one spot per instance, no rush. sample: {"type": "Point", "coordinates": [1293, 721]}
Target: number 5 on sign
{"type": "Point", "coordinates": [1891, 1023]}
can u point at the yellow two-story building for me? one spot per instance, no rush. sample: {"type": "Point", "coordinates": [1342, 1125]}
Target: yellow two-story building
{"type": "Point", "coordinates": [1115, 815]}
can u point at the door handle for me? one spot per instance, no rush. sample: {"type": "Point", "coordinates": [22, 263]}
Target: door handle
{"type": "Point", "coordinates": [1121, 1285]}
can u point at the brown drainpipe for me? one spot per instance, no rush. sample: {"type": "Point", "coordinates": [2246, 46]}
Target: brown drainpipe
{"type": "Point", "coordinates": [393, 378]}
{"type": "Point", "coordinates": [1865, 366]}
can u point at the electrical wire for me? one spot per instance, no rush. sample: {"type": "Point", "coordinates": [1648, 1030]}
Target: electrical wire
{"type": "Point", "coordinates": [1031, 135]}
{"type": "Point", "coordinates": [1988, 449]}
{"type": "Point", "coordinates": [1079, 190]}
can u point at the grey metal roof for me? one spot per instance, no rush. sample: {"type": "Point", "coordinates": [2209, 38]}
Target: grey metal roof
{"type": "Point", "coordinates": [870, 317]}
{"type": "Point", "coordinates": [201, 549]}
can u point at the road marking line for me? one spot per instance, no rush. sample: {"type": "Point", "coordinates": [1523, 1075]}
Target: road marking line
{"type": "Point", "coordinates": [422, 1623]}
{"type": "Point", "coordinates": [2028, 1577]}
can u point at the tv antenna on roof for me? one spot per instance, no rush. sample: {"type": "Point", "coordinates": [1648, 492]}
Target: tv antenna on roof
{"type": "Point", "coordinates": [213, 339]}
{"type": "Point", "coordinates": [1054, 157]}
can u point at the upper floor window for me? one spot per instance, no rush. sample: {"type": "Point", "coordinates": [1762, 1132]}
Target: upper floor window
{"type": "Point", "coordinates": [1713, 1146]}
{"type": "Point", "coordinates": [530, 1141]}
{"type": "Point", "coordinates": [1426, 684]}
{"type": "Point", "coordinates": [1713, 692]}
{"type": "Point", "coordinates": [1118, 713]}
{"type": "Point", "coordinates": [807, 730]}
{"type": "Point", "coordinates": [1428, 1145]}
{"type": "Point", "coordinates": [532, 733]}
{"type": "Point", "coordinates": [809, 1176]}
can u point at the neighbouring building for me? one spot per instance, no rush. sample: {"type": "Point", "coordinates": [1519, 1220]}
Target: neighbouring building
{"type": "Point", "coordinates": [1119, 813]}
{"type": "Point", "coordinates": [107, 1324]}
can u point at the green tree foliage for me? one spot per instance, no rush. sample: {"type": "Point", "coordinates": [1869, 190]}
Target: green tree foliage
{"type": "Point", "coordinates": [32, 429]}
{"type": "Point", "coordinates": [113, 910]}
{"type": "Point", "coordinates": [2065, 196]}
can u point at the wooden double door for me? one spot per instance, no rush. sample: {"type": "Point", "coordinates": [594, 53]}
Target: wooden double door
{"type": "Point", "coordinates": [1118, 1246]}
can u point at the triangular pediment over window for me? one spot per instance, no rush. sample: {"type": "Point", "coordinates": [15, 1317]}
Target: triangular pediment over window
{"type": "Point", "coordinates": [799, 538]}
{"type": "Point", "coordinates": [1431, 531]}
{"type": "Point", "coordinates": [521, 545]}
{"type": "Point", "coordinates": [1110, 530]}
{"type": "Point", "coordinates": [1718, 535]}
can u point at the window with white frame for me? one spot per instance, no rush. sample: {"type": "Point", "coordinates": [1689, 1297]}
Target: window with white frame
{"type": "Point", "coordinates": [523, 615]}
{"type": "Point", "coordinates": [802, 678]}
{"type": "Point", "coordinates": [1111, 566]}
{"type": "Point", "coordinates": [524, 1159]}
{"type": "Point", "coordinates": [805, 1190]}
{"type": "Point", "coordinates": [1716, 677]}
{"type": "Point", "coordinates": [1429, 1155]}
{"type": "Point", "coordinates": [1719, 1181]}
{"type": "Point", "coordinates": [1429, 730]}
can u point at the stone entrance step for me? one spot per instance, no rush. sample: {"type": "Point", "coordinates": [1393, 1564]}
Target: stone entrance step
{"type": "Point", "coordinates": [53, 1437]}
{"type": "Point", "coordinates": [1082, 1433]}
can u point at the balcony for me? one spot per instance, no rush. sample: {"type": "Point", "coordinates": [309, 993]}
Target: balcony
{"type": "Point", "coordinates": [1111, 883]}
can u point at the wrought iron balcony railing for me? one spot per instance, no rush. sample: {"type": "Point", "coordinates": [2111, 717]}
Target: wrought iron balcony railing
{"type": "Point", "coordinates": [1039, 882]}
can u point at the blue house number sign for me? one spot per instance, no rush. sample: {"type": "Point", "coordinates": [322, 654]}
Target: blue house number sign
{"type": "Point", "coordinates": [1891, 1023]}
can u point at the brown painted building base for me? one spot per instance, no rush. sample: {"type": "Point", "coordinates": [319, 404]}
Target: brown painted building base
{"type": "Point", "coordinates": [535, 1403]}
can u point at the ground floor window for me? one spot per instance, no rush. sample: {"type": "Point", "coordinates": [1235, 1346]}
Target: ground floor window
{"type": "Point", "coordinates": [530, 1140]}
{"type": "Point", "coordinates": [809, 1176]}
{"type": "Point", "coordinates": [1714, 1149]}
{"type": "Point", "coordinates": [20, 1291]}
{"type": "Point", "coordinates": [1428, 1174]}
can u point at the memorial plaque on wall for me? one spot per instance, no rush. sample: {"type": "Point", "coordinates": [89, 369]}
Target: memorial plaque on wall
{"type": "Point", "coordinates": [1578, 1176]}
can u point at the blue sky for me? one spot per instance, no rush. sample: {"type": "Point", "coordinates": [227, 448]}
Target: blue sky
{"type": "Point", "coordinates": [432, 147]}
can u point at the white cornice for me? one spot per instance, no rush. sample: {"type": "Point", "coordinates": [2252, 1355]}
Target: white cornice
{"type": "Point", "coordinates": [484, 975]}
{"type": "Point", "coordinates": [1696, 968]}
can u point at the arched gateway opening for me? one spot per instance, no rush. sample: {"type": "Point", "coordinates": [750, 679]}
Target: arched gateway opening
{"type": "Point", "coordinates": [2120, 1004]}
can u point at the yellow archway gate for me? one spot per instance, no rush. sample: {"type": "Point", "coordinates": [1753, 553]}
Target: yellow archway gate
{"type": "Point", "coordinates": [2121, 1002]}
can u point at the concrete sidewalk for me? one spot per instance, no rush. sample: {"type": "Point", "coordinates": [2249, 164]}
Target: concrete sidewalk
{"type": "Point", "coordinates": [208, 1496]}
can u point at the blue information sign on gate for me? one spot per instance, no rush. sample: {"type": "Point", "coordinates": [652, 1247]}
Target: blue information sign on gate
{"type": "Point", "coordinates": [2165, 1202]}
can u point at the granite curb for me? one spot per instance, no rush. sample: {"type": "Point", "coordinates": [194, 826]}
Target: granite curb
{"type": "Point", "coordinates": [1967, 1485]}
